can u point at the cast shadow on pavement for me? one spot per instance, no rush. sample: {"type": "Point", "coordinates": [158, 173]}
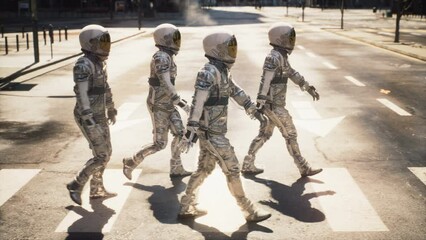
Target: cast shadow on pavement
{"type": "Point", "coordinates": [211, 233]}
{"type": "Point", "coordinates": [164, 201]}
{"type": "Point", "coordinates": [96, 220]}
{"type": "Point", "coordinates": [165, 206]}
{"type": "Point", "coordinates": [4, 82]}
{"type": "Point", "coordinates": [290, 200]}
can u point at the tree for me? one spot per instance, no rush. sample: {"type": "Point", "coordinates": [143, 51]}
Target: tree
{"type": "Point", "coordinates": [401, 7]}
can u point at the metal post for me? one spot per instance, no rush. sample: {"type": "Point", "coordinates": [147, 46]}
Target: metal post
{"type": "Point", "coordinates": [66, 33]}
{"type": "Point", "coordinates": [28, 42]}
{"type": "Point", "coordinates": [139, 14]}
{"type": "Point", "coordinates": [2, 31]}
{"type": "Point", "coordinates": [60, 38]}
{"type": "Point", "coordinates": [35, 30]}
{"type": "Point", "coordinates": [23, 31]}
{"type": "Point", "coordinates": [44, 35]}
{"type": "Point", "coordinates": [6, 45]}
{"type": "Point", "coordinates": [51, 39]}
{"type": "Point", "coordinates": [17, 43]}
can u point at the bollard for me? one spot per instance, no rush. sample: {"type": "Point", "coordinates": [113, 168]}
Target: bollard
{"type": "Point", "coordinates": [5, 44]}
{"type": "Point", "coordinates": [17, 43]}
{"type": "Point", "coordinates": [51, 33]}
{"type": "Point", "coordinates": [51, 40]}
{"type": "Point", "coordinates": [2, 31]}
{"type": "Point", "coordinates": [44, 35]}
{"type": "Point", "coordinates": [60, 38]}
{"type": "Point", "coordinates": [23, 31]}
{"type": "Point", "coordinates": [28, 42]}
{"type": "Point", "coordinates": [66, 33]}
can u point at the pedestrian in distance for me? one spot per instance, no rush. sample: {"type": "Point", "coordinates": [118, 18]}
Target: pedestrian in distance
{"type": "Point", "coordinates": [271, 100]}
{"type": "Point", "coordinates": [94, 110]}
{"type": "Point", "coordinates": [162, 102]}
{"type": "Point", "coordinates": [208, 122]}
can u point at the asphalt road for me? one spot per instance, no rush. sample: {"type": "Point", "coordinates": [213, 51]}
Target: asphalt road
{"type": "Point", "coordinates": [372, 186]}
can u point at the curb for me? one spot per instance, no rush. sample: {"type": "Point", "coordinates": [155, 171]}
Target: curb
{"type": "Point", "coordinates": [384, 46]}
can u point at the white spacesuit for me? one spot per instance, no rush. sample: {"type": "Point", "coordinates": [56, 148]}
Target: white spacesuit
{"type": "Point", "coordinates": [271, 99]}
{"type": "Point", "coordinates": [162, 101]}
{"type": "Point", "coordinates": [208, 122]}
{"type": "Point", "coordinates": [94, 99]}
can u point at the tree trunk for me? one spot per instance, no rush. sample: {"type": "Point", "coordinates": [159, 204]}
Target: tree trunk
{"type": "Point", "coordinates": [398, 18]}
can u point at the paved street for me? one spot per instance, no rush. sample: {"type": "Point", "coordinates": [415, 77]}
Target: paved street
{"type": "Point", "coordinates": [368, 132]}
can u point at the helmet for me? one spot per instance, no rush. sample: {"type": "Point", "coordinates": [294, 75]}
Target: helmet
{"type": "Point", "coordinates": [282, 35]}
{"type": "Point", "coordinates": [95, 39]}
{"type": "Point", "coordinates": [168, 36]}
{"type": "Point", "coordinates": [221, 46]}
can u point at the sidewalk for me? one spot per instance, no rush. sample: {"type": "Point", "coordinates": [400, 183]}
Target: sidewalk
{"type": "Point", "coordinates": [17, 64]}
{"type": "Point", "coordinates": [361, 25]}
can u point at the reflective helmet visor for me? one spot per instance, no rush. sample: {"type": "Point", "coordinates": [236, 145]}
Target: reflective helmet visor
{"type": "Point", "coordinates": [105, 42]}
{"type": "Point", "coordinates": [292, 38]}
{"type": "Point", "coordinates": [176, 38]}
{"type": "Point", "coordinates": [232, 47]}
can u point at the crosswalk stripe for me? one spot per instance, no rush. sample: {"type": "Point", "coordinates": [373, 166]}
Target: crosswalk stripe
{"type": "Point", "coordinates": [347, 210]}
{"type": "Point", "coordinates": [329, 65]}
{"type": "Point", "coordinates": [420, 172]}
{"type": "Point", "coordinates": [355, 81]}
{"type": "Point", "coordinates": [99, 216]}
{"type": "Point", "coordinates": [11, 180]}
{"type": "Point", "coordinates": [127, 109]}
{"type": "Point", "coordinates": [393, 107]}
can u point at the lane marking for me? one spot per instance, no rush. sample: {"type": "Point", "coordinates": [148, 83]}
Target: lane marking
{"type": "Point", "coordinates": [12, 180]}
{"type": "Point", "coordinates": [420, 172]}
{"type": "Point", "coordinates": [393, 107]}
{"type": "Point", "coordinates": [311, 120]}
{"type": "Point", "coordinates": [300, 47]}
{"type": "Point", "coordinates": [329, 65]}
{"type": "Point", "coordinates": [99, 216]}
{"type": "Point", "coordinates": [347, 210]}
{"type": "Point", "coordinates": [305, 110]}
{"type": "Point", "coordinates": [311, 54]}
{"type": "Point", "coordinates": [416, 34]}
{"type": "Point", "coordinates": [355, 81]}
{"type": "Point", "coordinates": [127, 109]}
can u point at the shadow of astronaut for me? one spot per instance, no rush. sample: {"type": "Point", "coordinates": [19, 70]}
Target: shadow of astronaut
{"type": "Point", "coordinates": [211, 233]}
{"type": "Point", "coordinates": [164, 201]}
{"type": "Point", "coordinates": [291, 201]}
{"type": "Point", "coordinates": [91, 224]}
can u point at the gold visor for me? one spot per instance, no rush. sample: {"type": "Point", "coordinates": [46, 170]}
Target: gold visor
{"type": "Point", "coordinates": [232, 47]}
{"type": "Point", "coordinates": [176, 38]}
{"type": "Point", "coordinates": [105, 42]}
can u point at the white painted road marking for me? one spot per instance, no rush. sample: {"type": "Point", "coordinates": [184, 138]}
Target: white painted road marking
{"type": "Point", "coordinates": [420, 172]}
{"type": "Point", "coordinates": [355, 81]}
{"type": "Point", "coordinates": [100, 216]}
{"type": "Point", "coordinates": [11, 180]}
{"type": "Point", "coordinates": [348, 210]}
{"type": "Point", "coordinates": [305, 110]}
{"type": "Point", "coordinates": [127, 109]}
{"type": "Point", "coordinates": [300, 47]}
{"type": "Point", "coordinates": [219, 203]}
{"type": "Point", "coordinates": [312, 121]}
{"type": "Point", "coordinates": [329, 65]}
{"type": "Point", "coordinates": [393, 107]}
{"type": "Point", "coordinates": [311, 54]}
